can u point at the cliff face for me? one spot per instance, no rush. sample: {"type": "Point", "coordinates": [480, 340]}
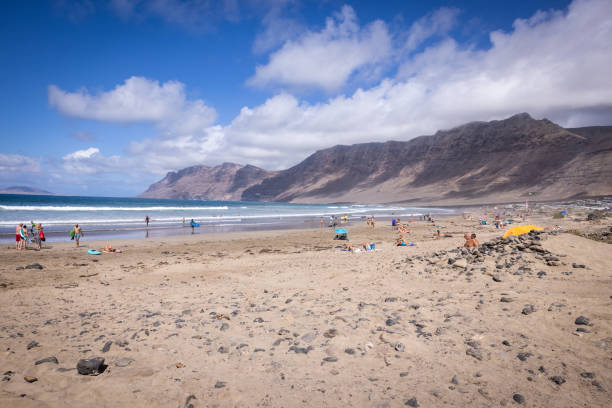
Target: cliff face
{"type": "Point", "coordinates": [499, 161]}
{"type": "Point", "coordinates": [506, 160]}
{"type": "Point", "coordinates": [224, 182]}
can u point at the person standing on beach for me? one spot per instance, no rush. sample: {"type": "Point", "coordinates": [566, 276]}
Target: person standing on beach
{"type": "Point", "coordinates": [77, 234]}
{"type": "Point", "coordinates": [322, 222]}
{"type": "Point", "coordinates": [18, 237]}
{"type": "Point", "coordinates": [373, 222]}
{"type": "Point", "coordinates": [183, 222]}
{"type": "Point", "coordinates": [147, 219]}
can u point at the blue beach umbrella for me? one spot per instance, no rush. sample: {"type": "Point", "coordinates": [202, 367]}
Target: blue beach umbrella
{"type": "Point", "coordinates": [340, 231]}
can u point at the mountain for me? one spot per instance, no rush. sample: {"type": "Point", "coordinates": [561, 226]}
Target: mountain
{"type": "Point", "coordinates": [224, 182]}
{"type": "Point", "coordinates": [24, 190]}
{"type": "Point", "coordinates": [499, 161]}
{"type": "Point", "coordinates": [506, 160]}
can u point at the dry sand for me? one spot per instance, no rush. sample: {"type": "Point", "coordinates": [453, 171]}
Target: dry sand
{"type": "Point", "coordinates": [284, 318]}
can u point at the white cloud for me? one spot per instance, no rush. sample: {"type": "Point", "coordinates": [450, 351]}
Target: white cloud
{"type": "Point", "coordinates": [436, 23]}
{"type": "Point", "coordinates": [15, 165]}
{"type": "Point", "coordinates": [82, 154]}
{"type": "Point", "coordinates": [327, 58]}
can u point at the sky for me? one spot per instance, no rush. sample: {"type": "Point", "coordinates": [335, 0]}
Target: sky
{"type": "Point", "coordinates": [106, 97]}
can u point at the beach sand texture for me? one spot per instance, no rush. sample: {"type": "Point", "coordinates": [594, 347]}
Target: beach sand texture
{"type": "Point", "coordinates": [286, 319]}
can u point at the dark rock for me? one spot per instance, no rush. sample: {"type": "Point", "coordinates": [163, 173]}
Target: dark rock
{"type": "Point", "coordinates": [32, 344]}
{"type": "Point", "coordinates": [455, 380]}
{"type": "Point", "coordinates": [399, 347]}
{"type": "Point", "coordinates": [220, 384]}
{"type": "Point", "coordinates": [477, 354]}
{"type": "Point", "coordinates": [331, 333]}
{"type": "Point", "coordinates": [506, 343]}
{"type": "Point", "coordinates": [506, 299]}
{"type": "Point", "coordinates": [91, 366]}
{"type": "Point", "coordinates": [404, 374]}
{"type": "Point", "coordinates": [497, 278]}
{"type": "Point", "coordinates": [223, 350]}
{"type": "Point", "coordinates": [30, 379]}
{"type": "Point", "coordinates": [557, 379]}
{"type": "Point", "coordinates": [188, 403]}
{"type": "Point", "coordinates": [34, 266]}
{"type": "Point", "coordinates": [301, 350]}
{"type": "Point", "coordinates": [578, 266]}
{"type": "Point", "coordinates": [523, 356]}
{"type": "Point", "coordinates": [528, 309]}
{"type": "Point", "coordinates": [107, 346]}
{"type": "Point", "coordinates": [390, 322]}
{"type": "Point", "coordinates": [350, 351]}
{"type": "Point", "coordinates": [583, 330]}
{"type": "Point", "coordinates": [587, 375]}
{"type": "Point", "coordinates": [581, 320]}
{"type": "Point", "coordinates": [330, 359]}
{"type": "Point", "coordinates": [518, 398]}
{"type": "Point", "coordinates": [541, 274]}
{"type": "Point", "coordinates": [258, 320]}
{"type": "Point", "coordinates": [412, 402]}
{"type": "Point", "coordinates": [47, 360]}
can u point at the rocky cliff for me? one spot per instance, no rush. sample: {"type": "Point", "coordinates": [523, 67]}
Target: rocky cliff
{"type": "Point", "coordinates": [224, 182]}
{"type": "Point", "coordinates": [506, 160]}
{"type": "Point", "coordinates": [481, 162]}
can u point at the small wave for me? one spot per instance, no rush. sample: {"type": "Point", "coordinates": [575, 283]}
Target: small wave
{"type": "Point", "coordinates": [101, 208]}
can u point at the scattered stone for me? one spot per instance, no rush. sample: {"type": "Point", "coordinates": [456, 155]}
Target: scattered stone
{"type": "Point", "coordinates": [224, 327]}
{"type": "Point", "coordinates": [506, 343]}
{"type": "Point", "coordinates": [518, 398]}
{"type": "Point", "coordinates": [124, 362]}
{"type": "Point", "coordinates": [32, 344]}
{"type": "Point", "coordinates": [404, 374]}
{"type": "Point", "coordinates": [455, 380]}
{"type": "Point", "coordinates": [399, 347]}
{"type": "Point", "coordinates": [30, 379]}
{"type": "Point", "coordinates": [107, 346]}
{"type": "Point", "coordinates": [412, 402]}
{"type": "Point", "coordinates": [330, 359]}
{"type": "Point", "coordinates": [47, 360]}
{"type": "Point", "coordinates": [578, 266]}
{"type": "Point", "coordinates": [581, 320]}
{"type": "Point", "coordinates": [301, 350]}
{"type": "Point", "coordinates": [523, 356]}
{"type": "Point", "coordinates": [349, 351]}
{"type": "Point", "coordinates": [557, 379]}
{"type": "Point", "coordinates": [91, 366]}
{"type": "Point", "coordinates": [220, 384]}
{"type": "Point", "coordinates": [188, 403]}
{"type": "Point", "coordinates": [587, 375]}
{"type": "Point", "coordinates": [477, 354]}
{"type": "Point", "coordinates": [258, 320]}
{"type": "Point", "coordinates": [390, 322]}
{"type": "Point", "coordinates": [496, 278]}
{"type": "Point", "coordinates": [34, 266]}
{"type": "Point", "coordinates": [528, 309]}
{"type": "Point", "coordinates": [309, 337]}
{"type": "Point", "coordinates": [331, 333]}
{"type": "Point", "coordinates": [506, 299]}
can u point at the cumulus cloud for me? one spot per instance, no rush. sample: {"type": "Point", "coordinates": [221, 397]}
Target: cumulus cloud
{"type": "Point", "coordinates": [17, 165]}
{"type": "Point", "coordinates": [327, 58]}
{"type": "Point", "coordinates": [436, 23]}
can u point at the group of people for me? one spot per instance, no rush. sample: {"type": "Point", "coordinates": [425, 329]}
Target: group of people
{"type": "Point", "coordinates": [364, 247]}
{"type": "Point", "coordinates": [36, 235]}
{"type": "Point", "coordinates": [371, 222]}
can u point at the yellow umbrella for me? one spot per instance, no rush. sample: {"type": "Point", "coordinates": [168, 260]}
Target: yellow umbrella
{"type": "Point", "coordinates": [521, 229]}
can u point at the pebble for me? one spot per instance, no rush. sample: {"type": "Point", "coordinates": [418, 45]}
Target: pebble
{"type": "Point", "coordinates": [474, 353]}
{"type": "Point", "coordinates": [557, 379]}
{"type": "Point", "coordinates": [30, 379]}
{"type": "Point", "coordinates": [506, 299]}
{"type": "Point", "coordinates": [124, 362]}
{"type": "Point", "coordinates": [587, 375]}
{"type": "Point", "coordinates": [581, 320]}
{"type": "Point", "coordinates": [220, 384]}
{"type": "Point", "coordinates": [399, 347]}
{"type": "Point", "coordinates": [32, 344]}
{"type": "Point", "coordinates": [518, 398]}
{"type": "Point", "coordinates": [523, 356]}
{"type": "Point", "coordinates": [330, 359]}
{"type": "Point", "coordinates": [497, 278]}
{"type": "Point", "coordinates": [47, 360]}
{"type": "Point", "coordinates": [34, 266]}
{"type": "Point", "coordinates": [91, 366]}
{"type": "Point", "coordinates": [455, 380]}
{"type": "Point", "coordinates": [412, 402]}
{"type": "Point", "coordinates": [107, 346]}
{"type": "Point", "coordinates": [331, 333]}
{"type": "Point", "coordinates": [528, 309]}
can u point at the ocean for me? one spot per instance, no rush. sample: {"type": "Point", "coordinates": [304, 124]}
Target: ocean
{"type": "Point", "coordinates": [112, 217]}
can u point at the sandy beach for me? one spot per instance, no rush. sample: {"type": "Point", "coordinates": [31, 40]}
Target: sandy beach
{"type": "Point", "coordinates": [285, 319]}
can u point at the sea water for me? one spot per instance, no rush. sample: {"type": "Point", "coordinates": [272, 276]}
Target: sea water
{"type": "Point", "coordinates": [105, 217]}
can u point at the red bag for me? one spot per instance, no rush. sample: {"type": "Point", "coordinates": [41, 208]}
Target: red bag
{"type": "Point", "coordinates": [42, 235]}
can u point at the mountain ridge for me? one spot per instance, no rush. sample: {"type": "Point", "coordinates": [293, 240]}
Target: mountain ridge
{"type": "Point", "coordinates": [502, 160]}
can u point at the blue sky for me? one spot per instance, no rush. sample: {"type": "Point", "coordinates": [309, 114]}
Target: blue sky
{"type": "Point", "coordinates": [105, 97]}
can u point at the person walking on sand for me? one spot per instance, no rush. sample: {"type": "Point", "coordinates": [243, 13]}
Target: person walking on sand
{"type": "Point", "coordinates": [147, 219]}
{"type": "Point", "coordinates": [77, 234]}
{"type": "Point", "coordinates": [23, 233]}
{"type": "Point", "coordinates": [373, 222]}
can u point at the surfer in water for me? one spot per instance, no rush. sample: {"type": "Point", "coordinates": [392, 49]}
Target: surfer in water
{"type": "Point", "coordinates": [147, 219]}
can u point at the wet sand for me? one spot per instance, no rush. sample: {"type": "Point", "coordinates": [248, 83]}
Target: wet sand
{"type": "Point", "coordinates": [284, 318]}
